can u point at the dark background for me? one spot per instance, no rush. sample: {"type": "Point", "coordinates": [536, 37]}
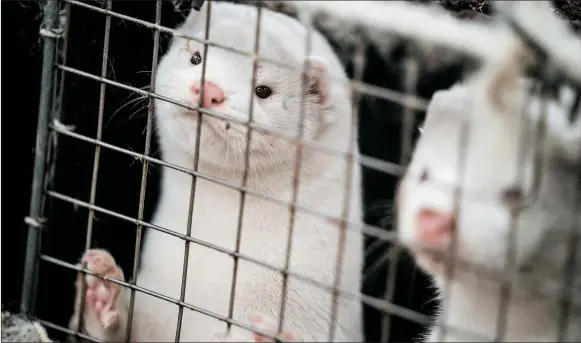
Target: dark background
{"type": "Point", "coordinates": [119, 175]}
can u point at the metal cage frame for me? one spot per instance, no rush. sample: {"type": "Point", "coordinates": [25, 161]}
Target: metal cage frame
{"type": "Point", "coordinates": [52, 32]}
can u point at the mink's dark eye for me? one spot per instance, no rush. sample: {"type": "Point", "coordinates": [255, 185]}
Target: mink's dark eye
{"type": "Point", "coordinates": [263, 92]}
{"type": "Point", "coordinates": [196, 58]}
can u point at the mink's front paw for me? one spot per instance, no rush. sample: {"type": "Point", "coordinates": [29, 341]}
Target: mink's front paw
{"type": "Point", "coordinates": [103, 305]}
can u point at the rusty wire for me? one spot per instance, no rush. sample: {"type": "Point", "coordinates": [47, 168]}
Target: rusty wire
{"type": "Point", "coordinates": [144, 172]}
{"type": "Point", "coordinates": [96, 161]}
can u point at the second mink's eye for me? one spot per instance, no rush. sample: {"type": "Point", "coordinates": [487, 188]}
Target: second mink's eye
{"type": "Point", "coordinates": [196, 58]}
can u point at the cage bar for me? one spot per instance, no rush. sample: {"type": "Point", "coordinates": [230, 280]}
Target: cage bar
{"type": "Point", "coordinates": [96, 160]}
{"type": "Point", "coordinates": [144, 171]}
{"type": "Point", "coordinates": [255, 59]}
{"type": "Point", "coordinates": [194, 179]}
{"type": "Point", "coordinates": [50, 33]}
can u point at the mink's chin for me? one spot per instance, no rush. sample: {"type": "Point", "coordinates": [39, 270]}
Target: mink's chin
{"type": "Point", "coordinates": [431, 262]}
{"type": "Point", "coordinates": [191, 114]}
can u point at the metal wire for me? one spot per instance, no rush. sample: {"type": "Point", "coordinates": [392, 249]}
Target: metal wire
{"type": "Point", "coordinates": [144, 172]}
{"type": "Point", "coordinates": [96, 160]}
{"type": "Point", "coordinates": [402, 312]}
{"type": "Point", "coordinates": [151, 293]}
{"type": "Point", "coordinates": [368, 161]}
{"type": "Point", "coordinates": [59, 93]}
{"type": "Point", "coordinates": [255, 59]}
{"type": "Point", "coordinates": [515, 211]}
{"type": "Point", "coordinates": [411, 77]}
{"type": "Point", "coordinates": [450, 261]}
{"type": "Point", "coordinates": [68, 331]}
{"type": "Point", "coordinates": [194, 179]}
{"type": "Point", "coordinates": [295, 181]}
{"type": "Point", "coordinates": [379, 92]}
{"type": "Point", "coordinates": [571, 266]}
{"type": "Point", "coordinates": [359, 67]}
{"type": "Point", "coordinates": [365, 229]}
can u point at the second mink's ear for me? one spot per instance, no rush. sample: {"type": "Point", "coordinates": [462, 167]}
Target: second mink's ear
{"type": "Point", "coordinates": [318, 85]}
{"type": "Point", "coordinates": [318, 79]}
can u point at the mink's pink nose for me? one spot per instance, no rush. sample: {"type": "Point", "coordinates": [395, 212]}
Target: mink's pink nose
{"type": "Point", "coordinates": [213, 95]}
{"type": "Point", "coordinates": [434, 227]}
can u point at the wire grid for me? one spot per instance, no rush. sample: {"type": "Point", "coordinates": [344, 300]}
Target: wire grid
{"type": "Point", "coordinates": [52, 97]}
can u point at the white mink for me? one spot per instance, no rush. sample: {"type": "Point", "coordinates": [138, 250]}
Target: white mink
{"type": "Point", "coordinates": [315, 240]}
{"type": "Point", "coordinates": [499, 146]}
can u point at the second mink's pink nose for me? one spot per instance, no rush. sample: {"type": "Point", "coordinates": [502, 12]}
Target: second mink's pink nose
{"type": "Point", "coordinates": [213, 95]}
{"type": "Point", "coordinates": [434, 227]}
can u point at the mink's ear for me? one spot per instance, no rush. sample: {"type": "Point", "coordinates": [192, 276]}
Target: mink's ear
{"type": "Point", "coordinates": [196, 20]}
{"type": "Point", "coordinates": [452, 99]}
{"type": "Point", "coordinates": [451, 102]}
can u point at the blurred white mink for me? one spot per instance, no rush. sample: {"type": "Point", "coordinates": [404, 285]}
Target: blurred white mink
{"type": "Point", "coordinates": [498, 150]}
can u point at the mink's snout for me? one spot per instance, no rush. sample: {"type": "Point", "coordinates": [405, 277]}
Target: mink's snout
{"type": "Point", "coordinates": [213, 94]}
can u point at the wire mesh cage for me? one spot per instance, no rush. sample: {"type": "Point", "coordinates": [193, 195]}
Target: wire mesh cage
{"type": "Point", "coordinates": [361, 24]}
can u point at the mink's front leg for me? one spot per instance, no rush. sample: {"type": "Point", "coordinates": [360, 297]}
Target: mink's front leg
{"type": "Point", "coordinates": [105, 312]}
